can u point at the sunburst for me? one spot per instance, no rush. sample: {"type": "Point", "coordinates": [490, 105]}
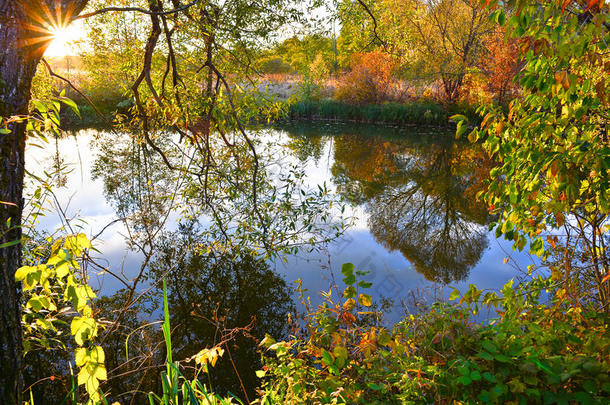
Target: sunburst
{"type": "Point", "coordinates": [48, 23]}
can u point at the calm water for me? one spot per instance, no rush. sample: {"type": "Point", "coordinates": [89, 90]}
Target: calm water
{"type": "Point", "coordinates": [409, 202]}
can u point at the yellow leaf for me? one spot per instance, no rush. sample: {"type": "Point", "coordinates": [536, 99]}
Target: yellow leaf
{"type": "Point", "coordinates": [365, 300]}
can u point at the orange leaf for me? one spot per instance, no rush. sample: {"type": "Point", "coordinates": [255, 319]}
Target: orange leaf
{"type": "Point", "coordinates": [554, 168]}
{"type": "Point", "coordinates": [592, 3]}
{"type": "Point", "coordinates": [606, 277]}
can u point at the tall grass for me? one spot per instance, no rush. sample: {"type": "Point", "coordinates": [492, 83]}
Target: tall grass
{"type": "Point", "coordinates": [395, 113]}
{"type": "Point", "coordinates": [177, 389]}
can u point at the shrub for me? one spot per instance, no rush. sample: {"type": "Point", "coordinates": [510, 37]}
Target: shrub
{"type": "Point", "coordinates": [274, 65]}
{"type": "Point", "coordinates": [369, 79]}
{"type": "Point", "coordinates": [531, 353]}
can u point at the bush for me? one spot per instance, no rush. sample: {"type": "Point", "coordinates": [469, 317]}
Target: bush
{"type": "Point", "coordinates": [274, 65]}
{"type": "Point", "coordinates": [532, 353]}
{"type": "Point", "coordinates": [369, 79]}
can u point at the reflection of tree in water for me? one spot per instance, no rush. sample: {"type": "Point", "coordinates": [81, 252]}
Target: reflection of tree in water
{"type": "Point", "coordinates": [208, 294]}
{"type": "Point", "coordinates": [221, 290]}
{"type": "Point", "coordinates": [420, 199]}
{"type": "Point", "coordinates": [136, 182]}
{"type": "Point", "coordinates": [365, 166]}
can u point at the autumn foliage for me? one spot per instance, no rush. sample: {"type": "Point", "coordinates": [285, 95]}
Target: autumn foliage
{"type": "Point", "coordinates": [501, 65]}
{"type": "Point", "coordinates": [369, 79]}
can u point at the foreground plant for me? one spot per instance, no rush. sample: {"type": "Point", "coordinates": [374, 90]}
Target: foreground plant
{"type": "Point", "coordinates": [552, 148]}
{"type": "Point", "coordinates": [533, 352]}
{"type": "Point", "coordinates": [55, 291]}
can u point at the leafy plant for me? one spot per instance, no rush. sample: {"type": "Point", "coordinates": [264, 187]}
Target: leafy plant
{"type": "Point", "coordinates": [552, 148]}
{"type": "Point", "coordinates": [532, 352]}
{"type": "Point", "coordinates": [52, 284]}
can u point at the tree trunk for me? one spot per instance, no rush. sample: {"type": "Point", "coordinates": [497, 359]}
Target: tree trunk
{"type": "Point", "coordinates": [18, 62]}
{"type": "Point", "coordinates": [17, 69]}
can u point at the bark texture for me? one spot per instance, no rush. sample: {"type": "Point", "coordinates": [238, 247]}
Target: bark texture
{"type": "Point", "coordinates": [18, 61]}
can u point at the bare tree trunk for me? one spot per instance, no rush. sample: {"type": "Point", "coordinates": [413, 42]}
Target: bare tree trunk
{"type": "Point", "coordinates": [18, 63]}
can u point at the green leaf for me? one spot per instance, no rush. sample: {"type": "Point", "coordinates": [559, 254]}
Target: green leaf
{"type": "Point", "coordinates": [327, 358]}
{"type": "Point", "coordinates": [502, 358]}
{"type": "Point", "coordinates": [341, 355]}
{"type": "Point", "coordinates": [489, 377]}
{"type": "Point", "coordinates": [464, 380]}
{"type": "Point", "coordinates": [489, 346]}
{"type": "Point", "coordinates": [349, 292]}
{"type": "Point", "coordinates": [458, 118]}
{"type": "Point", "coordinates": [485, 356]}
{"type": "Point", "coordinates": [347, 269]}
{"type": "Point", "coordinates": [455, 294]}
{"type": "Point", "coordinates": [9, 244]}
{"type": "Point", "coordinates": [83, 329]}
{"type": "Point", "coordinates": [501, 18]}
{"type": "Point", "coordinates": [70, 103]}
{"type": "Point", "coordinates": [349, 280]}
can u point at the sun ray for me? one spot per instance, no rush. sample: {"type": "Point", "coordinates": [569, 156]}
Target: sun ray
{"type": "Point", "coordinates": [49, 29]}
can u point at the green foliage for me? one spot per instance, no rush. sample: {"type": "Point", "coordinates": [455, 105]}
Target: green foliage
{"type": "Point", "coordinates": [531, 353]}
{"type": "Point", "coordinates": [552, 147]}
{"type": "Point", "coordinates": [273, 65]}
{"type": "Point", "coordinates": [52, 288]}
{"type": "Point", "coordinates": [411, 113]}
{"type": "Point", "coordinates": [301, 52]}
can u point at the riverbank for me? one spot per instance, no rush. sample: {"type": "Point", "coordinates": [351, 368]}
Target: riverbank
{"type": "Point", "coordinates": [403, 114]}
{"type": "Point", "coordinates": [415, 113]}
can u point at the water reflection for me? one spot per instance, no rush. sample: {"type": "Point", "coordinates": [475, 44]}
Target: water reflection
{"type": "Point", "coordinates": [210, 294]}
{"type": "Point", "coordinates": [412, 194]}
{"type": "Point", "coordinates": [213, 298]}
{"type": "Point", "coordinates": [419, 196]}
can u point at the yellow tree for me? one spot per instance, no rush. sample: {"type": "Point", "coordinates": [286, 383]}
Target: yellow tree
{"type": "Point", "coordinates": [448, 37]}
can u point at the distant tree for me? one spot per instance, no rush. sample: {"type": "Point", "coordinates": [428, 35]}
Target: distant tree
{"type": "Point", "coordinates": [501, 65]}
{"type": "Point", "coordinates": [449, 38]}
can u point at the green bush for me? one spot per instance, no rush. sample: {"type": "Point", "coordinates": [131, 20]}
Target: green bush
{"type": "Point", "coordinates": [532, 352]}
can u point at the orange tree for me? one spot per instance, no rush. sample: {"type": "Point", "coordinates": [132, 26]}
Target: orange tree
{"type": "Point", "coordinates": [501, 64]}
{"type": "Point", "coordinates": [552, 146]}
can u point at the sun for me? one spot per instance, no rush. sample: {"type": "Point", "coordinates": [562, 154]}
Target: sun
{"type": "Point", "coordinates": [65, 40]}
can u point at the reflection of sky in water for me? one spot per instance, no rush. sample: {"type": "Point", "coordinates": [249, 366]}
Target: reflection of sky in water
{"type": "Point", "coordinates": [392, 275]}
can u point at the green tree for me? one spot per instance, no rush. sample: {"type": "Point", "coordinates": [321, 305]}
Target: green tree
{"type": "Point", "coordinates": [552, 148]}
{"type": "Point", "coordinates": [449, 39]}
